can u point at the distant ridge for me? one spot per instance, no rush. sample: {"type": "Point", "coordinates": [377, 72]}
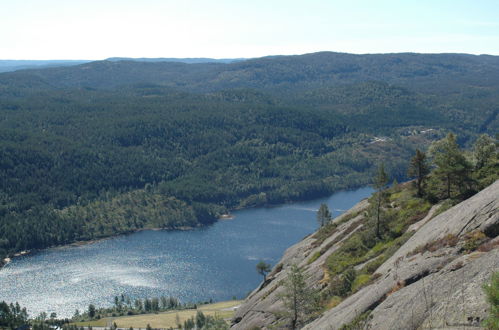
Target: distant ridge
{"type": "Point", "coordinates": [14, 65]}
{"type": "Point", "coordinates": [190, 60]}
{"type": "Point", "coordinates": [287, 75]}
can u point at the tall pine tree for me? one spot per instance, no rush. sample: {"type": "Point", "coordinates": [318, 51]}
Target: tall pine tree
{"type": "Point", "coordinates": [452, 167]}
{"type": "Point", "coordinates": [419, 169]}
{"type": "Point", "coordinates": [323, 215]}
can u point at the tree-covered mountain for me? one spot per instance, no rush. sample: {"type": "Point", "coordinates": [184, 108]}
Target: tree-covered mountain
{"type": "Point", "coordinates": [14, 65]}
{"type": "Point", "coordinates": [287, 73]}
{"type": "Point", "coordinates": [113, 146]}
{"type": "Point", "coordinates": [190, 60]}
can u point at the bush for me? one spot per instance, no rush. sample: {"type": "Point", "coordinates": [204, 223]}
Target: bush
{"type": "Point", "coordinates": [473, 240]}
{"type": "Point", "coordinates": [360, 281]}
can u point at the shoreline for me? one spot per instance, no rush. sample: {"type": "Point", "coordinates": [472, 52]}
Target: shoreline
{"type": "Point", "coordinates": [10, 258]}
{"type": "Point", "coordinates": [223, 217]}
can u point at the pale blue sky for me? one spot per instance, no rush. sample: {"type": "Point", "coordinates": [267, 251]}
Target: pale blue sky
{"type": "Point", "coordinates": [97, 29]}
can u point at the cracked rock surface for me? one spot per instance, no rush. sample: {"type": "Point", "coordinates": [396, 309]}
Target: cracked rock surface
{"type": "Point", "coordinates": [417, 288]}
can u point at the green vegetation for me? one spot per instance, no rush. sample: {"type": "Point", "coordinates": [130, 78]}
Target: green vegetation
{"type": "Point", "coordinates": [208, 316]}
{"type": "Point", "coordinates": [12, 315]}
{"type": "Point", "coordinates": [419, 168]}
{"type": "Point", "coordinates": [452, 167]}
{"type": "Point", "coordinates": [143, 313]}
{"type": "Point", "coordinates": [314, 257]}
{"type": "Point", "coordinates": [263, 268]}
{"type": "Point", "coordinates": [124, 305]}
{"type": "Point", "coordinates": [300, 302]}
{"type": "Point", "coordinates": [492, 291]}
{"type": "Point", "coordinates": [370, 241]}
{"type": "Point", "coordinates": [107, 148]}
{"type": "Point", "coordinates": [323, 215]}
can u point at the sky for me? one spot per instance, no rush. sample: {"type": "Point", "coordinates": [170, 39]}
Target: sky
{"type": "Point", "coordinates": [98, 29]}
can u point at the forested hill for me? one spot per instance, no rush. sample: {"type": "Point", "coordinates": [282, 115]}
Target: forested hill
{"type": "Point", "coordinates": [113, 146]}
{"type": "Point", "coordinates": [285, 74]}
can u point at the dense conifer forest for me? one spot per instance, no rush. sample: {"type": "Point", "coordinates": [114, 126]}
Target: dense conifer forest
{"type": "Point", "coordinates": [110, 147]}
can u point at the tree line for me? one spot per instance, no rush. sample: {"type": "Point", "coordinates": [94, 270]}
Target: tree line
{"type": "Point", "coordinates": [84, 164]}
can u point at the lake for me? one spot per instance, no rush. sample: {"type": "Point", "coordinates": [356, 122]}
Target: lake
{"type": "Point", "coordinates": [215, 262]}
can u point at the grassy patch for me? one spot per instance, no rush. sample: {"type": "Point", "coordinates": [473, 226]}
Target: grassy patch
{"type": "Point", "coordinates": [349, 217]}
{"type": "Point", "coordinates": [333, 302]}
{"type": "Point", "coordinates": [329, 229]}
{"type": "Point", "coordinates": [314, 257]}
{"type": "Point", "coordinates": [400, 210]}
{"type": "Point", "coordinates": [166, 319]}
{"type": "Point", "coordinates": [360, 281]}
{"type": "Point", "coordinates": [95, 323]}
{"type": "Point", "coordinates": [323, 233]}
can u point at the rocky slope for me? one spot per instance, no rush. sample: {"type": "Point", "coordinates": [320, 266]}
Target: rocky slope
{"type": "Point", "coordinates": [433, 280]}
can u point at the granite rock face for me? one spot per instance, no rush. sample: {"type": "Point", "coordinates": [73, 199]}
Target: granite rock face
{"type": "Point", "coordinates": [430, 282]}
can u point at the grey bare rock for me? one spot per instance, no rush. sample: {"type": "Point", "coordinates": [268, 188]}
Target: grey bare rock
{"type": "Point", "coordinates": [417, 288]}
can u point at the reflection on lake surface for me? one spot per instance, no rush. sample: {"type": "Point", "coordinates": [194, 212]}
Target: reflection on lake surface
{"type": "Point", "coordinates": [215, 262]}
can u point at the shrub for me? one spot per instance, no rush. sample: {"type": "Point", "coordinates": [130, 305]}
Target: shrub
{"type": "Point", "coordinates": [473, 240]}
{"type": "Point", "coordinates": [360, 281]}
{"type": "Point", "coordinates": [371, 266]}
{"type": "Point", "coordinates": [448, 240]}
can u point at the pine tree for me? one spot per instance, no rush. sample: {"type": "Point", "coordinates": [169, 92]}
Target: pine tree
{"type": "Point", "coordinates": [484, 150]}
{"type": "Point", "coordinates": [452, 167]}
{"type": "Point", "coordinates": [263, 268]}
{"type": "Point", "coordinates": [299, 300]}
{"type": "Point", "coordinates": [91, 311]}
{"type": "Point", "coordinates": [419, 168]}
{"type": "Point", "coordinates": [323, 215]}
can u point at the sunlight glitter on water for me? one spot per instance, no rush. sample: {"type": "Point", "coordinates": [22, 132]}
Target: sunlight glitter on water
{"type": "Point", "coordinates": [216, 262]}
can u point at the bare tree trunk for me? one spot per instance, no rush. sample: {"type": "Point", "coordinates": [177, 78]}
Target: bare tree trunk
{"type": "Point", "coordinates": [378, 234]}
{"type": "Point", "coordinates": [295, 312]}
{"type": "Point", "coordinates": [448, 185]}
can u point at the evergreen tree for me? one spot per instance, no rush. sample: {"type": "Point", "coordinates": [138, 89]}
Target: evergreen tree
{"type": "Point", "coordinates": [189, 324]}
{"type": "Point", "coordinates": [173, 302]}
{"type": "Point", "coordinates": [138, 304]}
{"type": "Point", "coordinates": [147, 305]}
{"type": "Point", "coordinates": [263, 268]}
{"type": "Point", "coordinates": [91, 311]}
{"type": "Point", "coordinates": [12, 316]}
{"type": "Point", "coordinates": [299, 300]}
{"type": "Point", "coordinates": [164, 302]}
{"type": "Point", "coordinates": [116, 301]}
{"type": "Point", "coordinates": [419, 168]}
{"type": "Point", "coordinates": [484, 150]}
{"type": "Point", "coordinates": [155, 304]}
{"type": "Point", "coordinates": [452, 167]}
{"type": "Point", "coordinates": [323, 215]}
{"type": "Point", "coordinates": [200, 320]}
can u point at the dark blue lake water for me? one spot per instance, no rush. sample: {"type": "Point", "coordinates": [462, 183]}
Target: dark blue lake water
{"type": "Point", "coordinates": [216, 262]}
